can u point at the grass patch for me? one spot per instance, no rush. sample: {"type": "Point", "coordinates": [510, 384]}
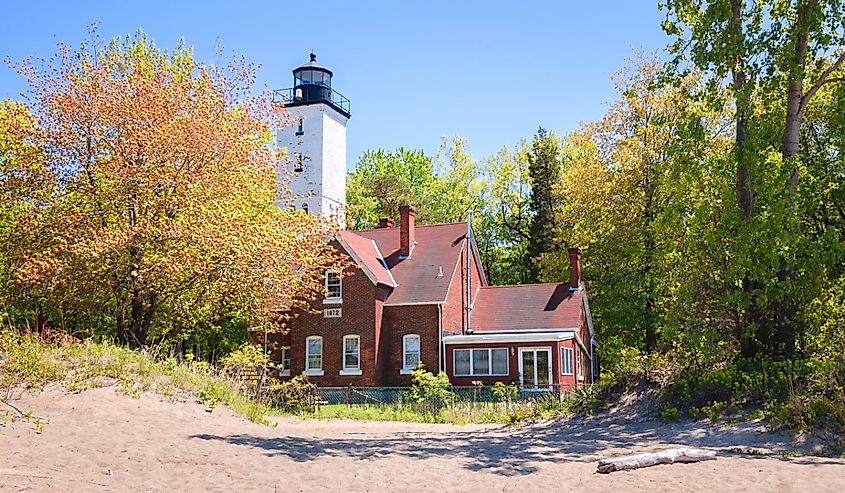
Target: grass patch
{"type": "Point", "coordinates": [28, 364]}
{"type": "Point", "coordinates": [456, 414]}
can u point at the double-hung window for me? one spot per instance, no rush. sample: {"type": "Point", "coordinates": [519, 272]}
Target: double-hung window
{"type": "Point", "coordinates": [351, 355]}
{"type": "Point", "coordinates": [334, 286]}
{"type": "Point", "coordinates": [410, 352]}
{"type": "Point", "coordinates": [566, 361]}
{"type": "Point", "coordinates": [481, 362]}
{"type": "Point", "coordinates": [313, 356]}
{"type": "Point", "coordinates": [285, 360]}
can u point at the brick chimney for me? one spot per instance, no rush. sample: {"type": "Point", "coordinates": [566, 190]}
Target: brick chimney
{"type": "Point", "coordinates": [385, 222]}
{"type": "Point", "coordinates": [574, 268]}
{"type": "Point", "coordinates": [406, 230]}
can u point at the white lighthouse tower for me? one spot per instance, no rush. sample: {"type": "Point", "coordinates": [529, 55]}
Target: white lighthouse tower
{"type": "Point", "coordinates": [316, 142]}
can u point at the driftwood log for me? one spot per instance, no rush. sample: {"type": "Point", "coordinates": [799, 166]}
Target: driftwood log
{"type": "Point", "coordinates": [670, 456]}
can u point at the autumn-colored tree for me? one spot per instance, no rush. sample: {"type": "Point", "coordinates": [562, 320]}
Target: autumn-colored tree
{"type": "Point", "coordinates": [163, 196]}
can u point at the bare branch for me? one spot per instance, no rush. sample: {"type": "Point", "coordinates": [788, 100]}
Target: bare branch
{"type": "Point", "coordinates": [823, 79]}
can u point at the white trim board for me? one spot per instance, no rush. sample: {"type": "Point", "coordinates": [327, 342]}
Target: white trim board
{"type": "Point", "coordinates": [504, 338]}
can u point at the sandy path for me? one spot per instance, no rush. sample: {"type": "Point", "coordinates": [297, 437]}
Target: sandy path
{"type": "Point", "coordinates": [101, 441]}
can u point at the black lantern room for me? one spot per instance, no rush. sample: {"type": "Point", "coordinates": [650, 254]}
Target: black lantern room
{"type": "Point", "coordinates": [312, 83]}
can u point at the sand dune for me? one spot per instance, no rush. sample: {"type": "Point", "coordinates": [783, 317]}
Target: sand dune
{"type": "Point", "coordinates": [101, 441]}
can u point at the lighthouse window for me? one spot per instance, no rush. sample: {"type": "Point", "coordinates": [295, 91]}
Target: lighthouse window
{"type": "Point", "coordinates": [305, 208]}
{"type": "Point", "coordinates": [297, 162]}
{"type": "Point", "coordinates": [299, 127]}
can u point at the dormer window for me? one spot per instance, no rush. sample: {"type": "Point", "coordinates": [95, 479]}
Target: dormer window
{"type": "Point", "coordinates": [297, 162]}
{"type": "Point", "coordinates": [334, 286]}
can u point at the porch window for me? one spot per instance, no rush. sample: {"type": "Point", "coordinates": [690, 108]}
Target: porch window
{"type": "Point", "coordinates": [566, 355]}
{"type": "Point", "coordinates": [334, 286]}
{"type": "Point", "coordinates": [410, 352]}
{"type": "Point", "coordinates": [463, 362]}
{"type": "Point", "coordinates": [285, 360]}
{"type": "Point", "coordinates": [314, 355]}
{"type": "Point", "coordinates": [481, 362]}
{"type": "Point", "coordinates": [351, 353]}
{"type": "Point", "coordinates": [580, 365]}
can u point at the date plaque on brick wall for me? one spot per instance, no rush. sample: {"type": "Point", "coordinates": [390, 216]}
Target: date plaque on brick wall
{"type": "Point", "coordinates": [332, 312]}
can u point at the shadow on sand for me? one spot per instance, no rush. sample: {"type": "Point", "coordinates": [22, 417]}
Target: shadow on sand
{"type": "Point", "coordinates": [514, 451]}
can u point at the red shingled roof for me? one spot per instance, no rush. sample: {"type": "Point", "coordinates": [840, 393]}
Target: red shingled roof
{"type": "Point", "coordinates": [527, 307]}
{"type": "Point", "coordinates": [437, 246]}
{"type": "Point", "coordinates": [365, 252]}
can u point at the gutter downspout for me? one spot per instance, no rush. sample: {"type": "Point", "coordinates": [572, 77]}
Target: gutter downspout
{"type": "Point", "coordinates": [469, 272]}
{"type": "Point", "coordinates": [440, 348]}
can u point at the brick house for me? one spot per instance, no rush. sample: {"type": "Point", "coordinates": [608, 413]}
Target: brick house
{"type": "Point", "coordinates": [404, 301]}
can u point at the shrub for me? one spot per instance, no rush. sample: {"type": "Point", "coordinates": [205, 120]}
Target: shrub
{"type": "Point", "coordinates": [428, 392]}
{"type": "Point", "coordinates": [296, 395]}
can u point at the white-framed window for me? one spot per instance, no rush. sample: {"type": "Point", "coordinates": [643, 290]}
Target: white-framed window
{"type": "Point", "coordinates": [566, 360]}
{"type": "Point", "coordinates": [285, 361]}
{"type": "Point", "coordinates": [580, 365]}
{"type": "Point", "coordinates": [410, 352]}
{"type": "Point", "coordinates": [481, 362]}
{"type": "Point", "coordinates": [334, 286]}
{"type": "Point", "coordinates": [313, 355]}
{"type": "Point", "coordinates": [351, 355]}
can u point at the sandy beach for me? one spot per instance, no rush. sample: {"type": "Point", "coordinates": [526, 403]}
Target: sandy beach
{"type": "Point", "coordinates": [99, 440]}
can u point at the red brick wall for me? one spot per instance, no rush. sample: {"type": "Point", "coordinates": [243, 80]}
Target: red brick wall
{"type": "Point", "coordinates": [399, 321]}
{"type": "Point", "coordinates": [360, 310]}
{"type": "Point", "coordinates": [454, 311]}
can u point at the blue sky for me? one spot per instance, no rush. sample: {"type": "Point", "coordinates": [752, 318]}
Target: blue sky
{"type": "Point", "coordinates": [489, 71]}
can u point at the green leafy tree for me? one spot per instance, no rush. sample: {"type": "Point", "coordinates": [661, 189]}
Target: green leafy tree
{"type": "Point", "coordinates": [777, 55]}
{"type": "Point", "coordinates": [384, 180]}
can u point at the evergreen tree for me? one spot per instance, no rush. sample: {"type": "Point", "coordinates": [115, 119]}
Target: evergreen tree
{"type": "Point", "coordinates": [544, 171]}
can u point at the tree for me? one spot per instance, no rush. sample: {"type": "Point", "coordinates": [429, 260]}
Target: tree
{"type": "Point", "coordinates": [771, 49]}
{"type": "Point", "coordinates": [384, 180]}
{"type": "Point", "coordinates": [544, 171]}
{"type": "Point", "coordinates": [503, 237]}
{"type": "Point", "coordinates": [164, 197]}
{"type": "Point", "coordinates": [442, 189]}
{"type": "Point", "coordinates": [636, 184]}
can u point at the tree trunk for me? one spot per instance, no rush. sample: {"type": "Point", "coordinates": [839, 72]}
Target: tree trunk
{"type": "Point", "coordinates": [750, 327]}
{"type": "Point", "coordinates": [649, 244]}
{"type": "Point", "coordinates": [744, 190]}
{"type": "Point", "coordinates": [783, 342]}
